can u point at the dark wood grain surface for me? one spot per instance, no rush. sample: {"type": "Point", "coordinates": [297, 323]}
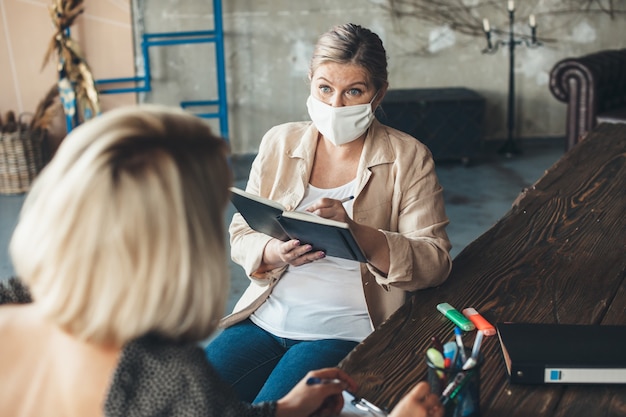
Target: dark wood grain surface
{"type": "Point", "coordinates": [558, 256]}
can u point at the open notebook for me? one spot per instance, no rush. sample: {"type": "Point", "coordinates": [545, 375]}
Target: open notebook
{"type": "Point", "coordinates": [270, 217]}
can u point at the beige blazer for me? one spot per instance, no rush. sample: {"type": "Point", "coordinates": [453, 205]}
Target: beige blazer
{"type": "Point", "coordinates": [397, 193]}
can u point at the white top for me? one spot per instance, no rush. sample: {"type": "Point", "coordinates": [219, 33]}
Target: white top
{"type": "Point", "coordinates": [320, 300]}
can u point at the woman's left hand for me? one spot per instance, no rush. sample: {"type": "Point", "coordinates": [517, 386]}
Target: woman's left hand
{"type": "Point", "coordinates": [323, 399]}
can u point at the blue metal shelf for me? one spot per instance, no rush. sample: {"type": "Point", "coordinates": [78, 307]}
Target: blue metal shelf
{"type": "Point", "coordinates": [143, 84]}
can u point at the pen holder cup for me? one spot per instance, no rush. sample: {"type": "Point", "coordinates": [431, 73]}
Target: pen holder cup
{"type": "Point", "coordinates": [458, 389]}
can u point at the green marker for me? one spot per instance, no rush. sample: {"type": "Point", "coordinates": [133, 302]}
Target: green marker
{"type": "Point", "coordinates": [456, 317]}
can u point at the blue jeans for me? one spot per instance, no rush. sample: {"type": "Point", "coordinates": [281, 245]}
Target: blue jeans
{"type": "Point", "coordinates": [263, 367]}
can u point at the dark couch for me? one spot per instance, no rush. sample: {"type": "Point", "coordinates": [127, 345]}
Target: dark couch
{"type": "Point", "coordinates": [594, 88]}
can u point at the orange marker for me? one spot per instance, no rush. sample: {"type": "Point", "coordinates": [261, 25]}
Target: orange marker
{"type": "Point", "coordinates": [479, 321]}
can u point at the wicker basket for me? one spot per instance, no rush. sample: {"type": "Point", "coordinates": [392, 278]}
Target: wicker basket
{"type": "Point", "coordinates": [22, 156]}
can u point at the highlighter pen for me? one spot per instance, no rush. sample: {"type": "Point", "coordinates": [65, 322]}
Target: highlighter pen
{"type": "Point", "coordinates": [456, 317]}
{"type": "Point", "coordinates": [436, 358]}
{"type": "Point", "coordinates": [479, 321]}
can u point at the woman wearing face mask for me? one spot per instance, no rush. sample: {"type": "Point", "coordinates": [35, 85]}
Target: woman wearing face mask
{"type": "Point", "coordinates": [304, 310]}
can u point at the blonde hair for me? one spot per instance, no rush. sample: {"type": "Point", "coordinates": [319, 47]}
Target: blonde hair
{"type": "Point", "coordinates": [352, 44]}
{"type": "Point", "coordinates": [123, 232]}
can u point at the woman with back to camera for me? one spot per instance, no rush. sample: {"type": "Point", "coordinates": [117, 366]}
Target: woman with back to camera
{"type": "Point", "coordinates": [121, 244]}
{"type": "Point", "coordinates": [303, 310]}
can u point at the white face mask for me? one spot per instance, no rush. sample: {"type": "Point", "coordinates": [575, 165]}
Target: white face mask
{"type": "Point", "coordinates": [340, 125]}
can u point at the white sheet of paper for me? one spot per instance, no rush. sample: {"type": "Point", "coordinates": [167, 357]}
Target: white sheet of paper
{"type": "Point", "coordinates": [350, 410]}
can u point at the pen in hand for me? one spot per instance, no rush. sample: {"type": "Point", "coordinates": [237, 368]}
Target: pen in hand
{"type": "Point", "coordinates": [345, 200]}
{"type": "Point", "coordinates": [360, 403]}
{"type": "Point", "coordinates": [314, 381]}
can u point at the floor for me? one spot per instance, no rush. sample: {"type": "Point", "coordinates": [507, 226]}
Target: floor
{"type": "Point", "coordinates": [476, 196]}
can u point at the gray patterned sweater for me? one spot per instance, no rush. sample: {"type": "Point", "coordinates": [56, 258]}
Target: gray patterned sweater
{"type": "Point", "coordinates": [159, 378]}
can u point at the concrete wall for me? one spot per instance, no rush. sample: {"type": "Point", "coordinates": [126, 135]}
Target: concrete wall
{"type": "Point", "coordinates": [268, 44]}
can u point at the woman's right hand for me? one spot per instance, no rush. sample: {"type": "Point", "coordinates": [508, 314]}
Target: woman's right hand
{"type": "Point", "coordinates": [321, 399]}
{"type": "Point", "coordinates": [278, 253]}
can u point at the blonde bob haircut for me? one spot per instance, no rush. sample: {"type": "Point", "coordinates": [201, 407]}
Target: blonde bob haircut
{"type": "Point", "coordinates": [122, 234]}
{"type": "Point", "coordinates": [352, 44]}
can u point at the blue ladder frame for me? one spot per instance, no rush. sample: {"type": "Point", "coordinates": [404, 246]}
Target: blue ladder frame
{"type": "Point", "coordinates": [143, 84]}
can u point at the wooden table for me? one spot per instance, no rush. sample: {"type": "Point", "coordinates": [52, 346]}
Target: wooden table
{"type": "Point", "coordinates": [558, 256]}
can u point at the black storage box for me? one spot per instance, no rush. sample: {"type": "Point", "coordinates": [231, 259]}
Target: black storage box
{"type": "Point", "coordinates": [447, 120]}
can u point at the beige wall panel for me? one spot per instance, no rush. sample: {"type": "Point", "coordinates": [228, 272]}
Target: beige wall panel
{"type": "Point", "coordinates": [104, 32]}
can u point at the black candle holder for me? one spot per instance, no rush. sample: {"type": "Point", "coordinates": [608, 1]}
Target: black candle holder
{"type": "Point", "coordinates": [510, 147]}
